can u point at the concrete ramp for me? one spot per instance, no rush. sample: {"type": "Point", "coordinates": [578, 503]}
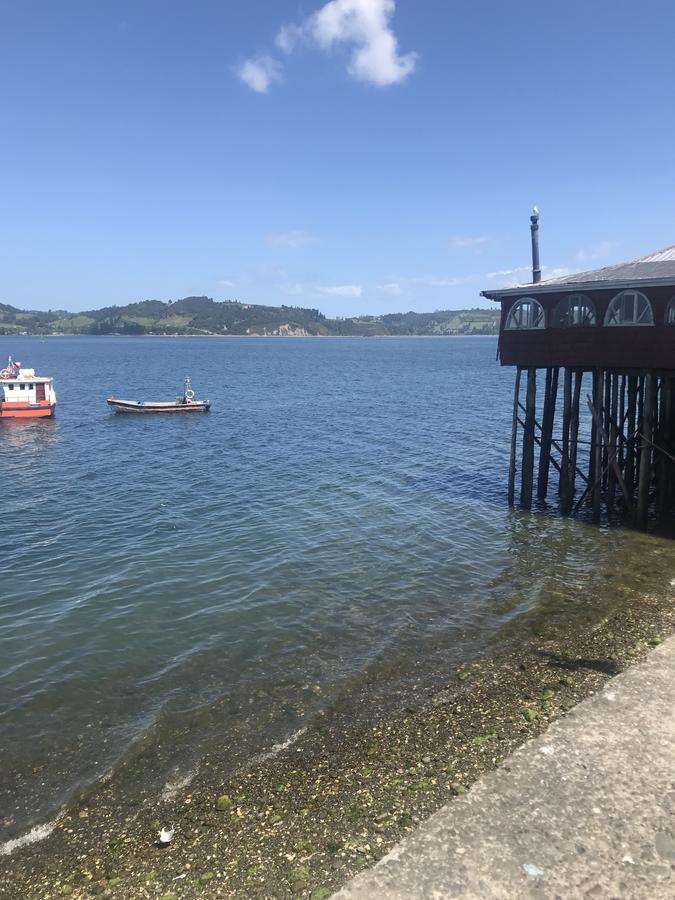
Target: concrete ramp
{"type": "Point", "coordinates": [585, 810]}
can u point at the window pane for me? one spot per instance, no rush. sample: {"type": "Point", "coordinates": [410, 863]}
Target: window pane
{"type": "Point", "coordinates": [629, 308]}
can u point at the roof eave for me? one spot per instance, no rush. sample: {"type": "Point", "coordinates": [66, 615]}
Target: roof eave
{"type": "Point", "coordinates": [621, 284]}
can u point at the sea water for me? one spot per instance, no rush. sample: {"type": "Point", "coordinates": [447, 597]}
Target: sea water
{"type": "Point", "coordinates": [335, 531]}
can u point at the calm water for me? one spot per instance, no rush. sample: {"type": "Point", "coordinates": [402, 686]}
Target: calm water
{"type": "Point", "coordinates": [334, 529]}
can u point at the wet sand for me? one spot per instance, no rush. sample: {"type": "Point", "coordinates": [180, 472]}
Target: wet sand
{"type": "Point", "coordinates": [302, 822]}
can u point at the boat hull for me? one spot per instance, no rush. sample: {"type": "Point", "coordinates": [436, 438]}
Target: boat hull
{"type": "Point", "coordinates": [136, 407]}
{"type": "Point", "coordinates": [41, 410]}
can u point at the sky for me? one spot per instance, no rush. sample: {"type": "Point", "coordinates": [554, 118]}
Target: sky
{"type": "Point", "coordinates": [358, 156]}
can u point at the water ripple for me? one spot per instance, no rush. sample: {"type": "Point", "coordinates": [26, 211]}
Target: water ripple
{"type": "Point", "coordinates": [339, 512]}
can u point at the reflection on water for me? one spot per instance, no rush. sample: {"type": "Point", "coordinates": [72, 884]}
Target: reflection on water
{"type": "Point", "coordinates": [27, 436]}
{"type": "Point", "coordinates": [332, 536]}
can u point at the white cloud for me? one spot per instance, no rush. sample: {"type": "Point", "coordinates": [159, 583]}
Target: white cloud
{"type": "Point", "coordinates": [225, 282]}
{"type": "Point", "coordinates": [464, 242]}
{"type": "Point", "coordinates": [294, 238]}
{"type": "Point", "coordinates": [289, 36]}
{"type": "Point", "coordinates": [444, 281]}
{"type": "Point", "coordinates": [342, 290]}
{"type": "Point", "coordinates": [362, 25]}
{"type": "Point", "coordinates": [509, 273]}
{"type": "Point", "coordinates": [392, 288]}
{"type": "Point", "coordinates": [523, 274]}
{"type": "Point", "coordinates": [259, 73]}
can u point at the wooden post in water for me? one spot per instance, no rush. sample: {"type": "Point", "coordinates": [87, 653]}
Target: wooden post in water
{"type": "Point", "coordinates": [591, 449]}
{"type": "Point", "coordinates": [613, 412]}
{"type": "Point", "coordinates": [597, 445]}
{"type": "Point", "coordinates": [646, 449]}
{"type": "Point", "coordinates": [574, 433]}
{"type": "Point", "coordinates": [631, 440]}
{"type": "Point", "coordinates": [550, 397]}
{"type": "Point", "coordinates": [514, 440]}
{"type": "Point", "coordinates": [621, 451]}
{"type": "Point", "coordinates": [528, 441]}
{"type": "Point", "coordinates": [669, 445]}
{"type": "Point", "coordinates": [564, 488]}
{"type": "Point", "coordinates": [638, 427]}
{"type": "Point", "coordinates": [661, 441]}
{"type": "Point", "coordinates": [606, 406]}
{"type": "Point", "coordinates": [611, 458]}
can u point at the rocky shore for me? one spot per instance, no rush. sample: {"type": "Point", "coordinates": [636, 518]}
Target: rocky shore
{"type": "Point", "coordinates": [301, 823]}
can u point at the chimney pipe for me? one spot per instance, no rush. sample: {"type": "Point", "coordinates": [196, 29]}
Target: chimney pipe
{"type": "Point", "coordinates": [534, 228]}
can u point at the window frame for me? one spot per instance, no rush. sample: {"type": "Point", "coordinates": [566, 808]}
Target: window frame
{"type": "Point", "coordinates": [614, 302]}
{"type": "Point", "coordinates": [514, 307]}
{"type": "Point", "coordinates": [587, 302]}
{"type": "Point", "coordinates": [670, 308]}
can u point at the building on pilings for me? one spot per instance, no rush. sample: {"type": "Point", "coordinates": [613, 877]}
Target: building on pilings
{"type": "Point", "coordinates": [605, 341]}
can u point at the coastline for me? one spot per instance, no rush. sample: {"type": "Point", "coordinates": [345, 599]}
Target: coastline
{"type": "Point", "coordinates": [303, 819]}
{"type": "Point", "coordinates": [247, 336]}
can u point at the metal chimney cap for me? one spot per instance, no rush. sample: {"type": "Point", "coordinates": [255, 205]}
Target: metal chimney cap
{"type": "Point", "coordinates": [535, 211]}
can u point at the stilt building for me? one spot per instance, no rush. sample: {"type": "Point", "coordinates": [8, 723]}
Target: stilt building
{"type": "Point", "coordinates": [604, 342]}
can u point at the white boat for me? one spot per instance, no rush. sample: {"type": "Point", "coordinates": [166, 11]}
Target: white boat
{"type": "Point", "coordinates": [186, 403]}
{"type": "Point", "coordinates": [25, 395]}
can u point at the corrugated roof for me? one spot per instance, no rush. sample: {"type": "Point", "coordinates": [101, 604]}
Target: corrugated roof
{"type": "Point", "coordinates": [654, 269]}
{"type": "Point", "coordinates": [660, 256]}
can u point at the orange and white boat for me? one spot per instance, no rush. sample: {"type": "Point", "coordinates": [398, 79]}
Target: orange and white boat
{"type": "Point", "coordinates": [25, 395]}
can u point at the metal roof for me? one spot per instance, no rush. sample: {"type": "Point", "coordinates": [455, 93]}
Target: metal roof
{"type": "Point", "coordinates": [656, 268]}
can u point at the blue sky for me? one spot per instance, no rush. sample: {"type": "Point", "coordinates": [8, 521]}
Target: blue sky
{"type": "Point", "coordinates": [360, 156]}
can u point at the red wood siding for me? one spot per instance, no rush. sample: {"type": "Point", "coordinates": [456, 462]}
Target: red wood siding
{"type": "Point", "coordinates": [620, 347]}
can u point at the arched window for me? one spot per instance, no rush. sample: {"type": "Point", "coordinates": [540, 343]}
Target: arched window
{"type": "Point", "coordinates": [526, 313]}
{"type": "Point", "coordinates": [670, 313]}
{"type": "Point", "coordinates": [576, 309]}
{"type": "Point", "coordinates": [629, 308]}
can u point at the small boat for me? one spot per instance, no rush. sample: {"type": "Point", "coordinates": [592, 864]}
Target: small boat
{"type": "Point", "coordinates": [25, 395]}
{"type": "Point", "coordinates": [186, 403]}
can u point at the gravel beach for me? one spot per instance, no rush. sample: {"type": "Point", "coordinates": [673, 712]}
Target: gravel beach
{"type": "Point", "coordinates": [302, 822]}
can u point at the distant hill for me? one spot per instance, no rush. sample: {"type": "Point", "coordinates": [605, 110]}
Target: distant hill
{"type": "Point", "coordinates": [202, 315]}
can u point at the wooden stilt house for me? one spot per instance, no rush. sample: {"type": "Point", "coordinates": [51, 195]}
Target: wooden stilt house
{"type": "Point", "coordinates": [605, 341]}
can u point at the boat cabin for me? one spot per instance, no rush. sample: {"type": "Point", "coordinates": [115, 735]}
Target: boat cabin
{"type": "Point", "coordinates": [23, 394]}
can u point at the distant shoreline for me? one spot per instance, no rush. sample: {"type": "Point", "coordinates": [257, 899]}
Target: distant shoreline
{"type": "Point", "coordinates": [205, 317]}
{"type": "Point", "coordinates": [266, 336]}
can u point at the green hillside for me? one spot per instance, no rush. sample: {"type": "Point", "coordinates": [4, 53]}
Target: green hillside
{"type": "Point", "coordinates": [202, 315]}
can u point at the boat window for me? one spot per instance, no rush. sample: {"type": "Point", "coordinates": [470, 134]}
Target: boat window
{"type": "Point", "coordinates": [670, 313]}
{"type": "Point", "coordinates": [23, 387]}
{"type": "Point", "coordinates": [629, 308]}
{"type": "Point", "coordinates": [526, 313]}
{"type": "Point", "coordinates": [11, 387]}
{"type": "Point", "coordinates": [575, 310]}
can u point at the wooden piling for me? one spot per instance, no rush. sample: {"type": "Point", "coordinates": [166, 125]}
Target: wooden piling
{"type": "Point", "coordinates": [514, 440]}
{"type": "Point", "coordinates": [621, 447]}
{"type": "Point", "coordinates": [631, 447]}
{"type": "Point", "coordinates": [528, 441]}
{"type": "Point", "coordinates": [631, 437]}
{"type": "Point", "coordinates": [661, 441]}
{"type": "Point", "coordinates": [606, 405]}
{"type": "Point", "coordinates": [668, 487]}
{"type": "Point", "coordinates": [574, 434]}
{"type": "Point", "coordinates": [646, 449]}
{"type": "Point", "coordinates": [550, 397]}
{"type": "Point", "coordinates": [565, 499]}
{"type": "Point", "coordinates": [612, 432]}
{"type": "Point", "coordinates": [597, 445]}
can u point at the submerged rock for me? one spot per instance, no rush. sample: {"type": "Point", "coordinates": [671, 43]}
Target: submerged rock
{"type": "Point", "coordinates": [224, 803]}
